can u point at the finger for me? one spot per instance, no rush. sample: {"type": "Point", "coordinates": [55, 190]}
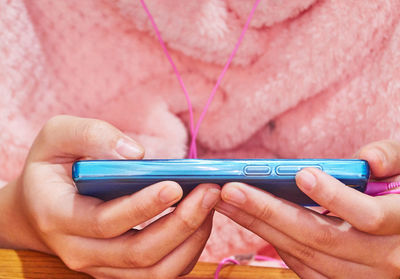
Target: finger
{"type": "Point", "coordinates": [378, 215]}
{"type": "Point", "coordinates": [174, 228]}
{"type": "Point", "coordinates": [67, 138]}
{"type": "Point", "coordinates": [160, 238]}
{"type": "Point", "coordinates": [91, 217]}
{"type": "Point", "coordinates": [327, 265]}
{"type": "Point", "coordinates": [112, 218]}
{"type": "Point", "coordinates": [383, 157]}
{"type": "Point", "coordinates": [299, 268]}
{"type": "Point", "coordinates": [308, 227]}
{"type": "Point", "coordinates": [178, 262]}
{"type": "Point", "coordinates": [193, 263]}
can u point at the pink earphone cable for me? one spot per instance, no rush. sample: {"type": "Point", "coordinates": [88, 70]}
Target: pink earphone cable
{"type": "Point", "coordinates": [194, 130]}
{"type": "Point", "coordinates": [222, 264]}
{"type": "Point", "coordinates": [180, 80]}
{"type": "Point", "coordinates": [193, 147]}
{"type": "Point", "coordinates": [378, 188]}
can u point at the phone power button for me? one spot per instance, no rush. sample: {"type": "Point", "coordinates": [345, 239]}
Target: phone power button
{"type": "Point", "coordinates": [257, 170]}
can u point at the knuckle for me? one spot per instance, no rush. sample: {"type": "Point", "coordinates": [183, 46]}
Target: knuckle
{"type": "Point", "coordinates": [202, 234]}
{"type": "Point", "coordinates": [74, 263]}
{"type": "Point", "coordinates": [45, 225]}
{"type": "Point", "coordinates": [324, 237]}
{"type": "Point", "coordinates": [138, 259]}
{"type": "Point", "coordinates": [132, 259]}
{"type": "Point", "coordinates": [265, 212]}
{"type": "Point", "coordinates": [141, 211]}
{"type": "Point", "coordinates": [94, 132]}
{"type": "Point", "coordinates": [304, 252]}
{"type": "Point", "coordinates": [51, 125]}
{"type": "Point", "coordinates": [188, 224]}
{"type": "Point", "coordinates": [387, 145]}
{"type": "Point", "coordinates": [375, 222]}
{"type": "Point", "coordinates": [90, 131]}
{"type": "Point", "coordinates": [252, 223]}
{"type": "Point", "coordinates": [99, 226]}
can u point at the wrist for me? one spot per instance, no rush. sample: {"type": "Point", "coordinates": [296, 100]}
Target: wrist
{"type": "Point", "coordinates": [16, 231]}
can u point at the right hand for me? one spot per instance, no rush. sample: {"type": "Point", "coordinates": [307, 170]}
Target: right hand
{"type": "Point", "coordinates": [93, 236]}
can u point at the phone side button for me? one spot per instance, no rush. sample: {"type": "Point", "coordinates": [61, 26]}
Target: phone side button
{"type": "Point", "coordinates": [292, 170]}
{"type": "Point", "coordinates": [257, 170]}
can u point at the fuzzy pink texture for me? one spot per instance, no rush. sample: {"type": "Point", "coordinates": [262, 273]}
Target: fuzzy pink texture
{"type": "Point", "coordinates": [312, 78]}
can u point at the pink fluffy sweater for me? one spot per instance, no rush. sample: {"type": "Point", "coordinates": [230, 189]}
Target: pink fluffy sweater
{"type": "Point", "coordinates": [312, 78]}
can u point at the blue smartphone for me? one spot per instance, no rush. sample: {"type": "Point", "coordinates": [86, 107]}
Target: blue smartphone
{"type": "Point", "coordinates": [109, 179]}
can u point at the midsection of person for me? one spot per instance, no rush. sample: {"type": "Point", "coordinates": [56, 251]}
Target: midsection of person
{"type": "Point", "coordinates": [291, 91]}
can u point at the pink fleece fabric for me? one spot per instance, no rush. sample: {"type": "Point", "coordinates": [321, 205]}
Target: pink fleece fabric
{"type": "Point", "coordinates": [312, 78]}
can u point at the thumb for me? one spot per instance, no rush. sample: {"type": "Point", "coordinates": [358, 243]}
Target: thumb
{"type": "Point", "coordinates": [66, 138]}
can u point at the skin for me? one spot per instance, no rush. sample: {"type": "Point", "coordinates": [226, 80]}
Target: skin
{"type": "Point", "coordinates": [361, 240]}
{"type": "Point", "coordinates": [41, 209]}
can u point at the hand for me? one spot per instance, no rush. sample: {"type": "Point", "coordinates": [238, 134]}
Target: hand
{"type": "Point", "coordinates": [42, 210]}
{"type": "Point", "coordinates": [362, 242]}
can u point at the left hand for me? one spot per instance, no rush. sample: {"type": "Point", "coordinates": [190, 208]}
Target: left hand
{"type": "Point", "coordinates": [362, 242]}
{"type": "Point", "coordinates": [42, 210]}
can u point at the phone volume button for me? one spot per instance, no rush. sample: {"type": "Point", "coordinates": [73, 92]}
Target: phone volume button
{"type": "Point", "coordinates": [292, 170]}
{"type": "Point", "coordinates": [257, 170]}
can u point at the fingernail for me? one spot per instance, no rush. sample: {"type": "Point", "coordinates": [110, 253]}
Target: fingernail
{"type": "Point", "coordinates": [169, 194]}
{"type": "Point", "coordinates": [234, 195]}
{"type": "Point", "coordinates": [306, 180]}
{"type": "Point", "coordinates": [210, 198]}
{"type": "Point", "coordinates": [128, 148]}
